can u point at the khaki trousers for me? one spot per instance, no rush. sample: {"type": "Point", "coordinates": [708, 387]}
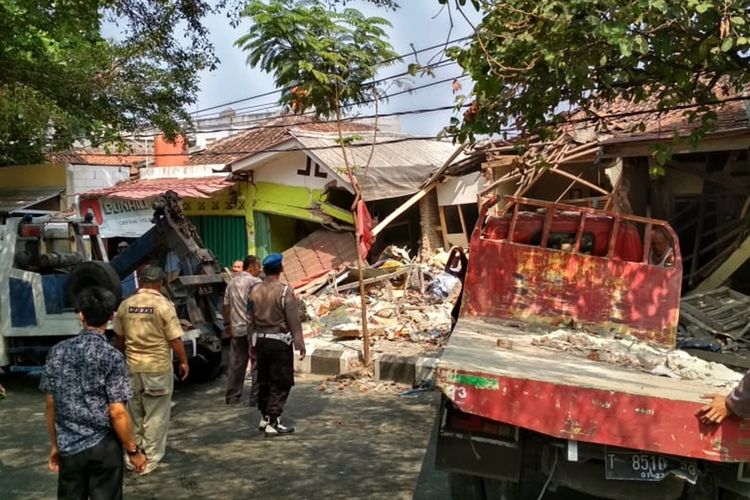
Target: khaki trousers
{"type": "Point", "coordinates": [149, 410]}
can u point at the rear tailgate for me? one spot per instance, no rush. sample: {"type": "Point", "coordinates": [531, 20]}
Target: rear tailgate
{"type": "Point", "coordinates": [569, 397]}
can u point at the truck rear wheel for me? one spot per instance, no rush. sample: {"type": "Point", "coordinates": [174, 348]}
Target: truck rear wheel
{"type": "Point", "coordinates": [467, 487]}
{"type": "Point", "coordinates": [93, 273]}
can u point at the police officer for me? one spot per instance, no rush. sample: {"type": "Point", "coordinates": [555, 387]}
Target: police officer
{"type": "Point", "coordinates": [147, 331]}
{"type": "Point", "coordinates": [275, 325]}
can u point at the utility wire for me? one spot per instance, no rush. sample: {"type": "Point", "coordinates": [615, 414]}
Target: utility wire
{"type": "Point", "coordinates": [277, 91]}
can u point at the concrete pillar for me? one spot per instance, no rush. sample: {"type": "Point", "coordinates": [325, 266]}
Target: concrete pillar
{"type": "Point", "coordinates": [429, 222]}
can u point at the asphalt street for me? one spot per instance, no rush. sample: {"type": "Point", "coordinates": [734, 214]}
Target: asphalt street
{"type": "Point", "coordinates": [350, 443]}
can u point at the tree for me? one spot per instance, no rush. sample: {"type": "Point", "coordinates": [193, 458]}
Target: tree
{"type": "Point", "coordinates": [324, 60]}
{"type": "Point", "coordinates": [62, 80]}
{"type": "Point", "coordinates": [530, 59]}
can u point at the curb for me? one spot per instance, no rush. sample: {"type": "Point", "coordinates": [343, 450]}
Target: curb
{"type": "Point", "coordinates": [412, 370]}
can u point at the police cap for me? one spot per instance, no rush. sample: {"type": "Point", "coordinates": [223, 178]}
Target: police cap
{"type": "Point", "coordinates": [152, 274]}
{"type": "Point", "coordinates": [272, 263]}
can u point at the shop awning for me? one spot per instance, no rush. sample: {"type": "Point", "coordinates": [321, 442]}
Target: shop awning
{"type": "Point", "coordinates": [13, 200]}
{"type": "Point", "coordinates": [140, 189]}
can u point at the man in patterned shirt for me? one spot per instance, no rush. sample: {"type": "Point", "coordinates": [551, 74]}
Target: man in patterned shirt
{"type": "Point", "coordinates": [235, 323]}
{"type": "Point", "coordinates": [87, 385]}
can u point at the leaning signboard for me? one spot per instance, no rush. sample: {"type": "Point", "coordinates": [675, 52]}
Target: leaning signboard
{"type": "Point", "coordinates": [119, 217]}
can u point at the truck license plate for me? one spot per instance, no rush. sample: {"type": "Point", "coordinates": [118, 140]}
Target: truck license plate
{"type": "Point", "coordinates": [635, 466]}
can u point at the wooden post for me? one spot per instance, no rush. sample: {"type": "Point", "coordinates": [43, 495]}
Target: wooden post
{"type": "Point", "coordinates": [443, 228]}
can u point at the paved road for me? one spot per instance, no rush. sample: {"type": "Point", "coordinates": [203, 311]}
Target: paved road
{"type": "Point", "coordinates": [349, 444]}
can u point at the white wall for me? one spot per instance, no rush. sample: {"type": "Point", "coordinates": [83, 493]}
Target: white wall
{"type": "Point", "coordinates": [82, 178]}
{"type": "Point", "coordinates": [284, 169]}
{"type": "Point", "coordinates": [460, 190]}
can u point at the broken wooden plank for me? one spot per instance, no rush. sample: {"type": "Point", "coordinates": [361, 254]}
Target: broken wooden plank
{"type": "Point", "coordinates": [727, 268]}
{"type": "Point", "coordinates": [370, 281]}
{"type": "Point", "coordinates": [403, 208]}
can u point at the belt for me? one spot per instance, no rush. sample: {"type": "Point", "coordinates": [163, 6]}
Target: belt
{"type": "Point", "coordinates": [283, 337]}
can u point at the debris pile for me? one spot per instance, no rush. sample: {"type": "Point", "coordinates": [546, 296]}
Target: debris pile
{"type": "Point", "coordinates": [405, 301]}
{"type": "Point", "coordinates": [640, 356]}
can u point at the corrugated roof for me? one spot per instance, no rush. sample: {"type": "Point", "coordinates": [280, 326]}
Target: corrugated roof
{"type": "Point", "coordinates": [19, 199]}
{"type": "Point", "coordinates": [317, 254]}
{"type": "Point", "coordinates": [139, 189]}
{"type": "Point", "coordinates": [262, 136]}
{"type": "Point", "coordinates": [398, 164]}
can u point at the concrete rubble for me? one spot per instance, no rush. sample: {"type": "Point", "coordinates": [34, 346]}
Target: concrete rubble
{"type": "Point", "coordinates": [637, 355]}
{"type": "Point", "coordinates": [407, 312]}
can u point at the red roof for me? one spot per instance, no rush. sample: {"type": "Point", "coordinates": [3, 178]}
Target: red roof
{"type": "Point", "coordinates": [317, 254]}
{"type": "Point", "coordinates": [262, 136]}
{"type": "Point", "coordinates": [99, 156]}
{"type": "Point", "coordinates": [139, 189]}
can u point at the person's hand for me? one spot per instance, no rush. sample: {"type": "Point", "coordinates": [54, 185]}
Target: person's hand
{"type": "Point", "coordinates": [54, 460]}
{"type": "Point", "coordinates": [253, 354]}
{"type": "Point", "coordinates": [184, 370]}
{"type": "Point", "coordinates": [139, 461]}
{"type": "Point", "coordinates": [714, 412]}
{"type": "Point", "coordinates": [302, 353]}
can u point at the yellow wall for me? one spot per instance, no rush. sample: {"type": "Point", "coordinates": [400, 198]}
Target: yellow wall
{"type": "Point", "coordinates": [289, 201]}
{"type": "Point", "coordinates": [32, 176]}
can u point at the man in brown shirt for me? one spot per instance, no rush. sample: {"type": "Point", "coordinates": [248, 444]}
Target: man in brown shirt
{"type": "Point", "coordinates": [276, 327]}
{"type": "Point", "coordinates": [148, 331]}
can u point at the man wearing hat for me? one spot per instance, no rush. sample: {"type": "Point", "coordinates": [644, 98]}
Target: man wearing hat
{"type": "Point", "coordinates": [147, 331]}
{"type": "Point", "coordinates": [275, 325]}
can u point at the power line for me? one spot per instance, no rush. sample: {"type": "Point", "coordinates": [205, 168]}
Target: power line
{"type": "Point", "coordinates": [277, 91]}
{"type": "Point", "coordinates": [275, 104]}
{"type": "Point", "coordinates": [312, 113]}
{"type": "Point", "coordinates": [272, 149]}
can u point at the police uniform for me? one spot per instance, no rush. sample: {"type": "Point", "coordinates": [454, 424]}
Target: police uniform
{"type": "Point", "coordinates": [277, 331]}
{"type": "Point", "coordinates": [148, 322]}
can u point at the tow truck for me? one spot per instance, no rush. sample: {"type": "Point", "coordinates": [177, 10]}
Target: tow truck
{"type": "Point", "coordinates": [512, 409]}
{"type": "Point", "coordinates": [45, 261]}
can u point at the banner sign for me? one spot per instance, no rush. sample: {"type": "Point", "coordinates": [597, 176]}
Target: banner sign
{"type": "Point", "coordinates": [117, 217]}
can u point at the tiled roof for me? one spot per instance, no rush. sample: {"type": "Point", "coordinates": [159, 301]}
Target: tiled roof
{"type": "Point", "coordinates": [262, 136]}
{"type": "Point", "coordinates": [139, 189]}
{"type": "Point", "coordinates": [99, 156]}
{"type": "Point", "coordinates": [317, 254]}
{"type": "Point", "coordinates": [623, 119]}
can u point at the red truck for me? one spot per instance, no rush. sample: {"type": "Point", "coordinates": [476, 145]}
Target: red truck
{"type": "Point", "coordinates": [512, 409]}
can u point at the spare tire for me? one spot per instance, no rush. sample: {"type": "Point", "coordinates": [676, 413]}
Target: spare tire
{"type": "Point", "coordinates": [92, 273]}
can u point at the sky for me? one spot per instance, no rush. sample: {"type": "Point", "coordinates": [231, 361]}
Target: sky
{"type": "Point", "coordinates": [417, 22]}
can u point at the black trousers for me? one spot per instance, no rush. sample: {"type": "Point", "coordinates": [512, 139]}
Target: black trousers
{"type": "Point", "coordinates": [275, 376]}
{"type": "Point", "coordinates": [95, 473]}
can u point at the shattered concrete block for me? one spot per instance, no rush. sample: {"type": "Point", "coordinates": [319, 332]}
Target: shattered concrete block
{"type": "Point", "coordinates": [396, 368]}
{"type": "Point", "coordinates": [424, 370]}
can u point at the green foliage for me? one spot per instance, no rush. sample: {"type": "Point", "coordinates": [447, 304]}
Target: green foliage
{"type": "Point", "coordinates": [62, 81]}
{"type": "Point", "coordinates": [529, 57]}
{"type": "Point", "coordinates": [323, 58]}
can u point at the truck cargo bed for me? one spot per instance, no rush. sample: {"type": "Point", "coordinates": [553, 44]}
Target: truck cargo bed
{"type": "Point", "coordinates": [571, 397]}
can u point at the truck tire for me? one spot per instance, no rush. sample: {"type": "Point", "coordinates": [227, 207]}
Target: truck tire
{"type": "Point", "coordinates": [92, 273]}
{"type": "Point", "coordinates": [467, 487]}
{"type": "Point", "coordinates": [205, 366]}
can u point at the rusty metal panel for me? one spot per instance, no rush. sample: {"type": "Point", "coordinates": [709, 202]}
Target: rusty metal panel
{"type": "Point", "coordinates": [598, 416]}
{"type": "Point", "coordinates": [604, 294]}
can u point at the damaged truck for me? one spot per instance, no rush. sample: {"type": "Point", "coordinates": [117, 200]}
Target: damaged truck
{"type": "Point", "coordinates": [45, 262]}
{"type": "Point", "coordinates": [562, 370]}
